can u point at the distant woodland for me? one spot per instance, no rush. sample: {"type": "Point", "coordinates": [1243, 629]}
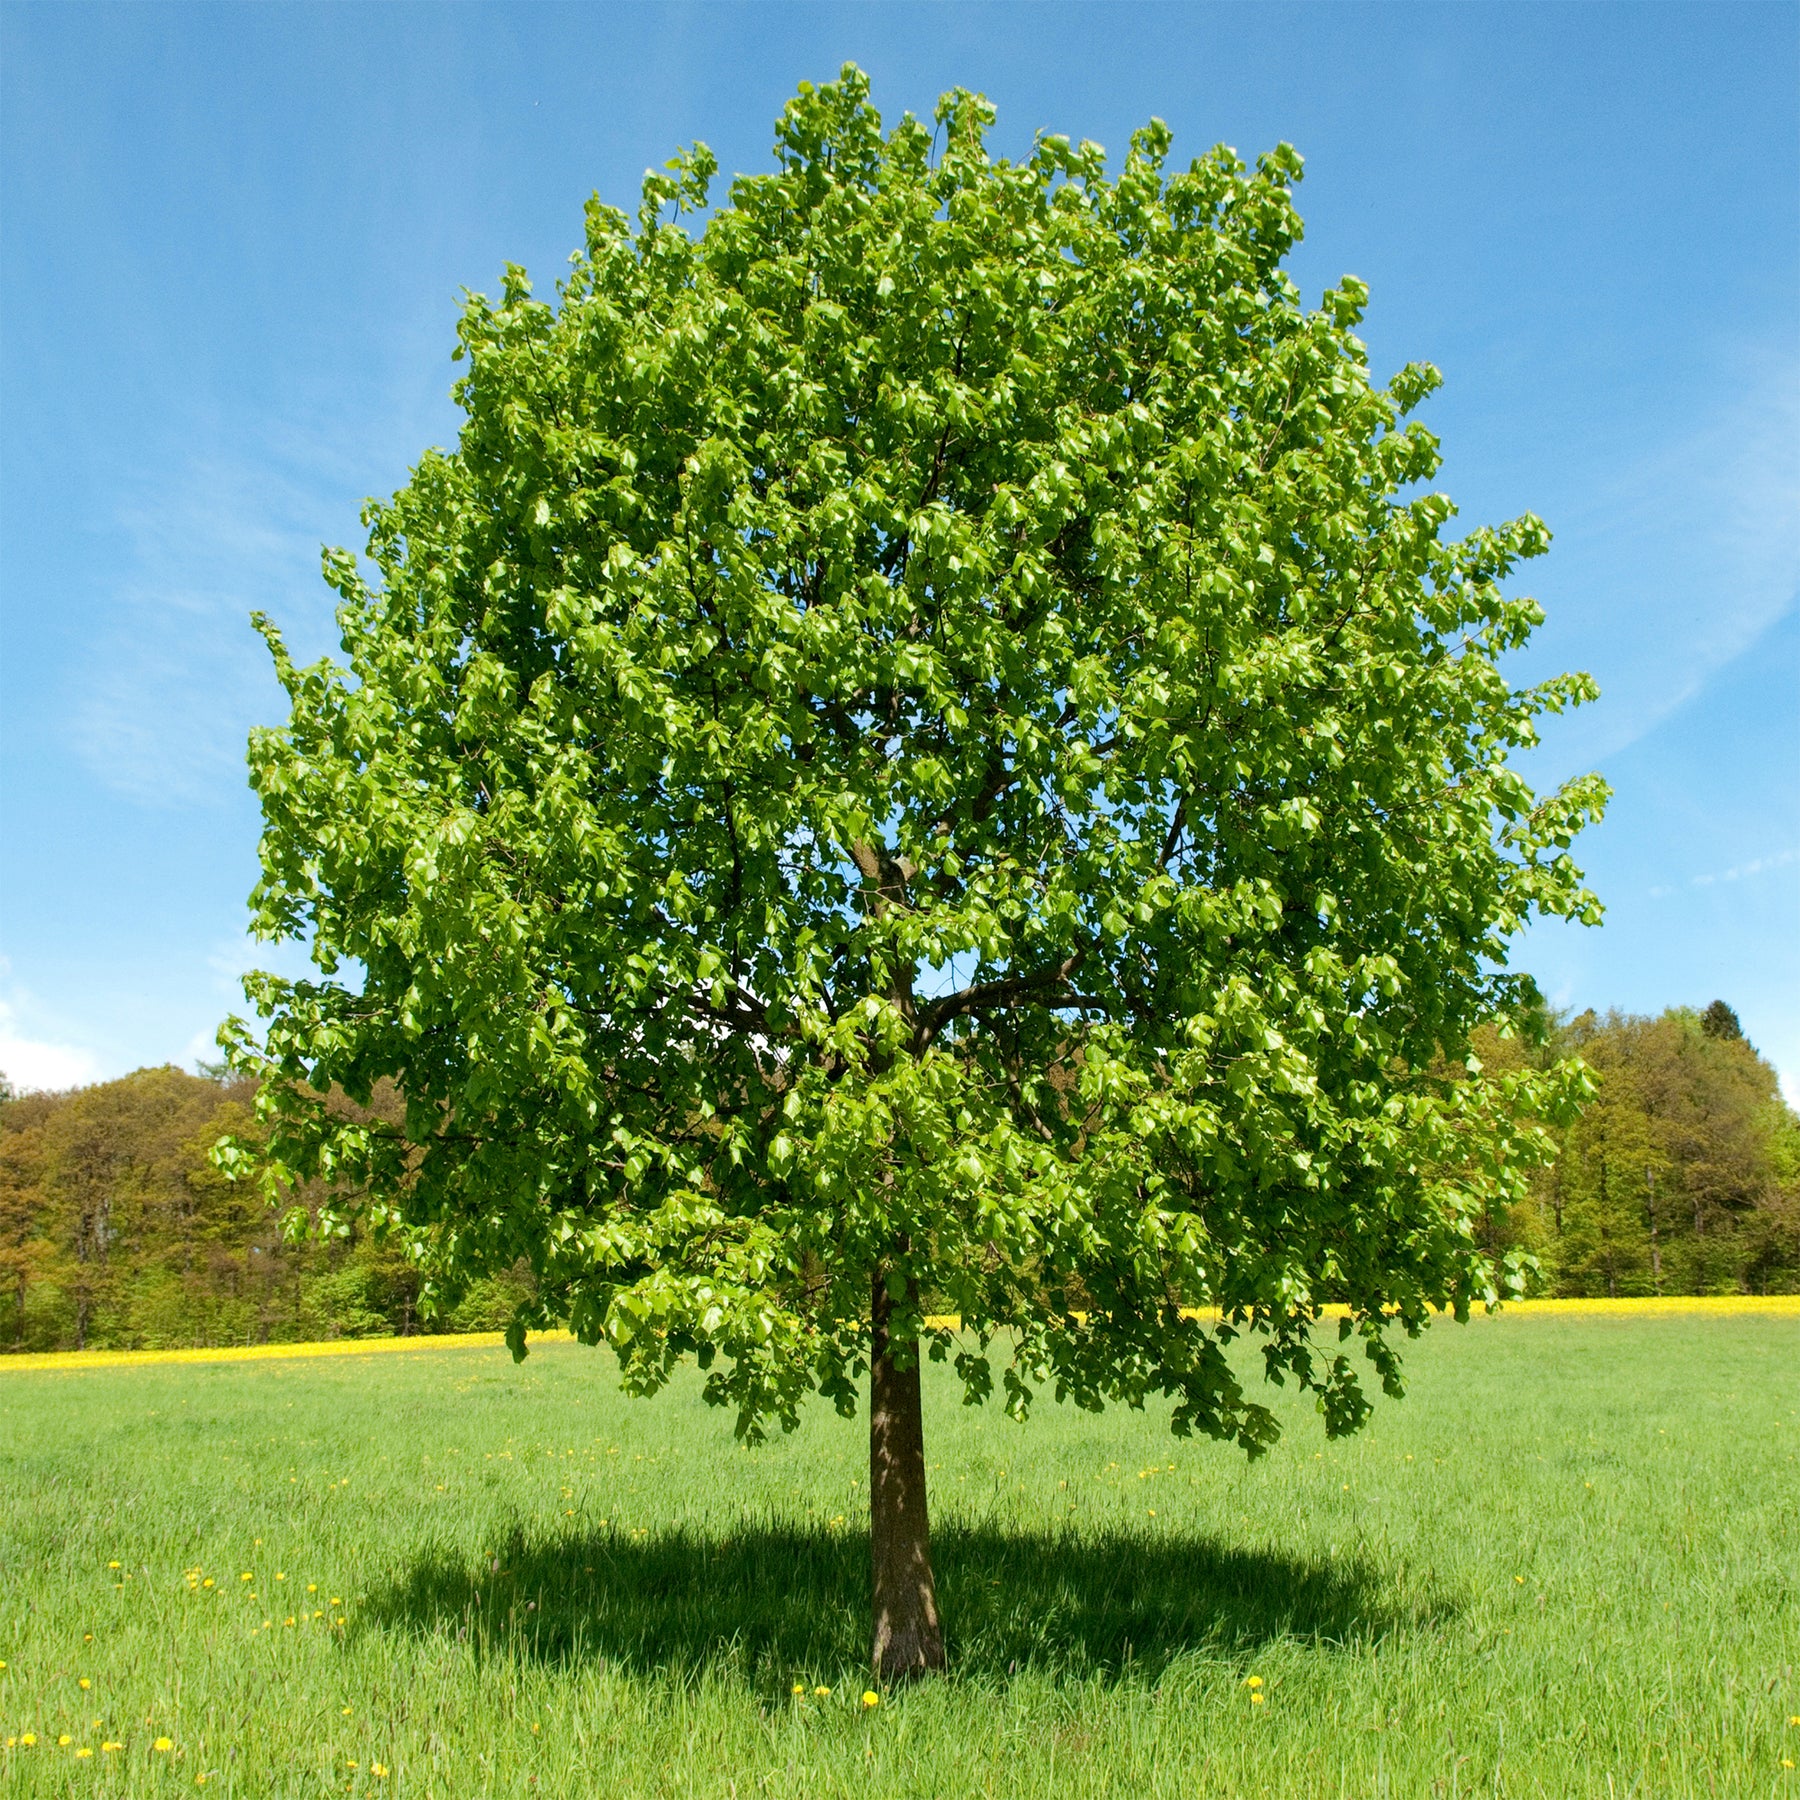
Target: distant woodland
{"type": "Point", "coordinates": [1682, 1176]}
{"type": "Point", "coordinates": [116, 1232]}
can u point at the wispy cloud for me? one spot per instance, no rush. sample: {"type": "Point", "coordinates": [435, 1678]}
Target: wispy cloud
{"type": "Point", "coordinates": [177, 676]}
{"type": "Point", "coordinates": [1681, 561]}
{"type": "Point", "coordinates": [1757, 865]}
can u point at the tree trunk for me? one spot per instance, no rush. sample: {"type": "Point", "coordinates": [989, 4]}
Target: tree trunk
{"type": "Point", "coordinates": [908, 1639]}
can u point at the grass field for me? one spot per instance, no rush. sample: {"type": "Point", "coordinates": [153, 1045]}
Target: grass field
{"type": "Point", "coordinates": [1567, 1564]}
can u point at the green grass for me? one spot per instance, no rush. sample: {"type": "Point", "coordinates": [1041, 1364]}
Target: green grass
{"type": "Point", "coordinates": [1567, 1564]}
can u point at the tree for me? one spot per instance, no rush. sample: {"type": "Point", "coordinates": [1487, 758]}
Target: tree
{"type": "Point", "coordinates": [1721, 1021]}
{"type": "Point", "coordinates": [915, 756]}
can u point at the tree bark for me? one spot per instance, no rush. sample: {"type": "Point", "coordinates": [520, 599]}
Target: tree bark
{"type": "Point", "coordinates": [908, 1639]}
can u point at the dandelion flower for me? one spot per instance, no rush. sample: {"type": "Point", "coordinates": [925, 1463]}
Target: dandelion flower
{"type": "Point", "coordinates": [871, 1698]}
{"type": "Point", "coordinates": [85, 1683]}
{"type": "Point", "coordinates": [65, 1739]}
{"type": "Point", "coordinates": [111, 1745]}
{"type": "Point", "coordinates": [799, 1687]}
{"type": "Point", "coordinates": [163, 1743]}
{"type": "Point", "coordinates": [1256, 1699]}
{"type": "Point", "coordinates": [1253, 1681]}
{"type": "Point", "coordinates": [84, 1750]}
{"type": "Point", "coordinates": [112, 1565]}
{"type": "Point", "coordinates": [27, 1738]}
{"type": "Point", "coordinates": [246, 1576]}
{"type": "Point", "coordinates": [346, 1712]}
{"type": "Point", "coordinates": [821, 1693]}
{"type": "Point", "coordinates": [207, 1582]}
{"type": "Point", "coordinates": [378, 1770]}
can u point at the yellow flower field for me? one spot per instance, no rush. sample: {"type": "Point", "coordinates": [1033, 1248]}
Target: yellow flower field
{"type": "Point", "coordinates": [1741, 1306]}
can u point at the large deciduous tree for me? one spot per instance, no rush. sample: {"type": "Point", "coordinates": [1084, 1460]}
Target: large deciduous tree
{"type": "Point", "coordinates": [917, 756]}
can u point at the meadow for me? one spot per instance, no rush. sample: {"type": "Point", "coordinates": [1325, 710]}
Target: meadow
{"type": "Point", "coordinates": [1568, 1563]}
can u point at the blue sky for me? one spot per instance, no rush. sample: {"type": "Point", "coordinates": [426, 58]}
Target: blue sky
{"type": "Point", "coordinates": [232, 241]}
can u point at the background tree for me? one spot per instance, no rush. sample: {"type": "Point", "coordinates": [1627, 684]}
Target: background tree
{"type": "Point", "coordinates": [915, 750]}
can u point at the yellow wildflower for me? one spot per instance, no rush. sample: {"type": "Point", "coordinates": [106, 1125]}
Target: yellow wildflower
{"type": "Point", "coordinates": [1256, 1699]}
{"type": "Point", "coordinates": [378, 1770]}
{"type": "Point", "coordinates": [65, 1739]}
{"type": "Point", "coordinates": [799, 1687]}
{"type": "Point", "coordinates": [1253, 1681]}
{"type": "Point", "coordinates": [84, 1751]}
{"type": "Point", "coordinates": [85, 1683]}
{"type": "Point", "coordinates": [112, 1565]}
{"type": "Point", "coordinates": [822, 1693]}
{"type": "Point", "coordinates": [163, 1743]}
{"type": "Point", "coordinates": [871, 1698]}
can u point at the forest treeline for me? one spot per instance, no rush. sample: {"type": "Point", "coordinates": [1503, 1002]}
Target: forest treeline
{"type": "Point", "coordinates": [116, 1232]}
{"type": "Point", "coordinates": [1682, 1176]}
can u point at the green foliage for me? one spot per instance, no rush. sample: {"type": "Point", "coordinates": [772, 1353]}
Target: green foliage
{"type": "Point", "coordinates": [645, 1598]}
{"type": "Point", "coordinates": [1683, 1174]}
{"type": "Point", "coordinates": [918, 734]}
{"type": "Point", "coordinates": [117, 1232]}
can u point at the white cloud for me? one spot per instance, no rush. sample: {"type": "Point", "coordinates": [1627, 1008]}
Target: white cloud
{"type": "Point", "coordinates": [31, 1063]}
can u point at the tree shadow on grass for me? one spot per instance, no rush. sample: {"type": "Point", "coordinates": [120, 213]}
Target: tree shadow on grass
{"type": "Point", "coordinates": [772, 1603]}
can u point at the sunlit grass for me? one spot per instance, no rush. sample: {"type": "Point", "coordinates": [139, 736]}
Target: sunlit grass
{"type": "Point", "coordinates": [1568, 1563]}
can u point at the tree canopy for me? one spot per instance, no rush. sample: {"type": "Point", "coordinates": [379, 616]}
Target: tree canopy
{"type": "Point", "coordinates": [929, 743]}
